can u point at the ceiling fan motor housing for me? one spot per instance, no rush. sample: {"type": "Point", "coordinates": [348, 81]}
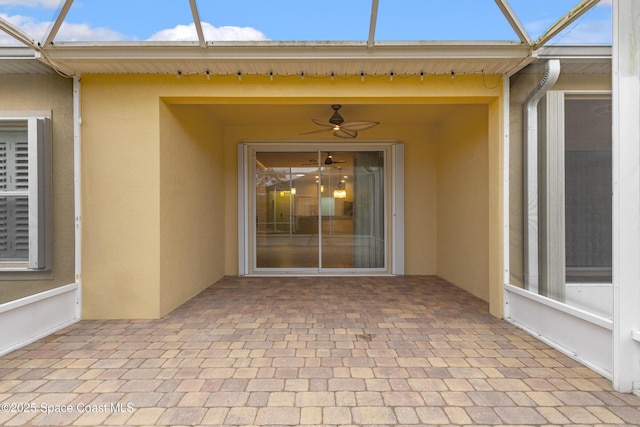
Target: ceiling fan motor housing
{"type": "Point", "coordinates": [336, 119]}
{"type": "Point", "coordinates": [328, 160]}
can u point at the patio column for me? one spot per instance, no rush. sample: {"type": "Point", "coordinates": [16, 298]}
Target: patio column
{"type": "Point", "coordinates": [626, 195]}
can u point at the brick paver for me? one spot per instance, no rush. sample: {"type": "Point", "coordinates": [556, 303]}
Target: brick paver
{"type": "Point", "coordinates": [307, 351]}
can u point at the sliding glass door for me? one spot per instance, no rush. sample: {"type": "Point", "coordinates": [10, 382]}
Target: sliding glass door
{"type": "Point", "coordinates": [319, 211]}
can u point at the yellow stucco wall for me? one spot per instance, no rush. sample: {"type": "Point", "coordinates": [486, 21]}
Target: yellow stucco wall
{"type": "Point", "coordinates": [192, 194]}
{"type": "Point", "coordinates": [140, 258]}
{"type": "Point", "coordinates": [463, 200]}
{"type": "Point", "coordinates": [120, 199]}
{"type": "Point", "coordinates": [420, 144]}
{"type": "Point", "coordinates": [26, 94]}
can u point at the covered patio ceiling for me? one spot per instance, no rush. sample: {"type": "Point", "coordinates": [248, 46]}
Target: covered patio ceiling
{"type": "Point", "coordinates": [202, 55]}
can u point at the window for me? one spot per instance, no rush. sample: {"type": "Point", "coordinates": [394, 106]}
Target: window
{"type": "Point", "coordinates": [588, 187]}
{"type": "Point", "coordinates": [24, 188]}
{"type": "Point", "coordinates": [576, 200]}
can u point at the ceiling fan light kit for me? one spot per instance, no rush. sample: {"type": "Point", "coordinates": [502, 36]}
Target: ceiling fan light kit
{"type": "Point", "coordinates": [339, 127]}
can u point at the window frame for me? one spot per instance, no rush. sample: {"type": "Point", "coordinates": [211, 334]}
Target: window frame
{"type": "Point", "coordinates": [393, 195]}
{"type": "Point", "coordinates": [38, 129]}
{"type": "Point", "coordinates": [552, 259]}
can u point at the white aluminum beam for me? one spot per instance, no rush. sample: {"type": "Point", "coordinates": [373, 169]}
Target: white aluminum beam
{"type": "Point", "coordinates": [17, 34]}
{"type": "Point", "coordinates": [197, 23]}
{"type": "Point", "coordinates": [58, 22]}
{"type": "Point", "coordinates": [580, 9]}
{"type": "Point", "coordinates": [514, 21]}
{"type": "Point", "coordinates": [626, 195]}
{"type": "Point", "coordinates": [372, 23]}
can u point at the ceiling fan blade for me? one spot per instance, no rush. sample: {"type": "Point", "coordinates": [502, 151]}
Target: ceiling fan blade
{"type": "Point", "coordinates": [345, 133]}
{"type": "Point", "coordinates": [323, 123]}
{"type": "Point", "coordinates": [318, 131]}
{"type": "Point", "coordinates": [361, 125]}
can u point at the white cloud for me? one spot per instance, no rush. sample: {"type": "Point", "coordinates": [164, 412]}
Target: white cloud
{"type": "Point", "coordinates": [83, 32]}
{"type": "Point", "coordinates": [211, 33]}
{"type": "Point", "coordinates": [27, 25]}
{"type": "Point", "coordinates": [604, 3]}
{"type": "Point", "coordinates": [68, 32]}
{"type": "Point", "coordinates": [49, 4]}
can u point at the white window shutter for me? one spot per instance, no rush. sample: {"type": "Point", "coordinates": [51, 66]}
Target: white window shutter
{"type": "Point", "coordinates": [14, 209]}
{"type": "Point", "coordinates": [38, 147]}
{"type": "Point", "coordinates": [25, 187]}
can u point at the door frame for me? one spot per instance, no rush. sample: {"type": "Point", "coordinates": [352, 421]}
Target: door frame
{"type": "Point", "coordinates": [394, 203]}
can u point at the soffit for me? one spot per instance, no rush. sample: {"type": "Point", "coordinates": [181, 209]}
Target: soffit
{"type": "Point", "coordinates": [291, 58]}
{"type": "Point", "coordinates": [24, 66]}
{"type": "Point", "coordinates": [18, 60]}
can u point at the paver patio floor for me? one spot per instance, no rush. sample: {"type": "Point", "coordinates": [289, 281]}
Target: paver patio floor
{"type": "Point", "coordinates": [307, 351]}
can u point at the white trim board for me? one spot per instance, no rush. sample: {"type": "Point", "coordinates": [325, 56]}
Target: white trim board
{"type": "Point", "coordinates": [28, 319]}
{"type": "Point", "coordinates": [580, 335]}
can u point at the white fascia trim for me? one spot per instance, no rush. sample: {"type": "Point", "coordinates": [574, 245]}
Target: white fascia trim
{"type": "Point", "coordinates": [18, 52]}
{"type": "Point", "coordinates": [575, 52]}
{"type": "Point", "coordinates": [285, 51]}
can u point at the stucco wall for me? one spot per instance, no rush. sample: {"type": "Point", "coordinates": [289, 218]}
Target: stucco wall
{"type": "Point", "coordinates": [120, 199]}
{"type": "Point", "coordinates": [420, 144]}
{"type": "Point", "coordinates": [521, 85]}
{"type": "Point", "coordinates": [192, 211]}
{"type": "Point", "coordinates": [134, 131]}
{"type": "Point", "coordinates": [463, 200]}
{"type": "Point", "coordinates": [28, 93]}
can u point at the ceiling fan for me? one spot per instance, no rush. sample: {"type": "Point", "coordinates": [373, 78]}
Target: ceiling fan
{"type": "Point", "coordinates": [329, 160]}
{"type": "Point", "coordinates": [339, 127]}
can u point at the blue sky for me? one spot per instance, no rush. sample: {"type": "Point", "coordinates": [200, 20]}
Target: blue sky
{"type": "Point", "coordinates": [289, 20]}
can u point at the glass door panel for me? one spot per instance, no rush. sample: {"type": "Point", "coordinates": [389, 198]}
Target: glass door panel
{"type": "Point", "coordinates": [317, 211]}
{"type": "Point", "coordinates": [352, 208]}
{"type": "Point", "coordinates": [286, 210]}
{"type": "Point", "coordinates": [337, 211]}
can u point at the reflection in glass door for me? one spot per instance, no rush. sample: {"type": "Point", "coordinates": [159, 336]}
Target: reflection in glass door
{"type": "Point", "coordinates": [320, 211]}
{"type": "Point", "coordinates": [286, 210]}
